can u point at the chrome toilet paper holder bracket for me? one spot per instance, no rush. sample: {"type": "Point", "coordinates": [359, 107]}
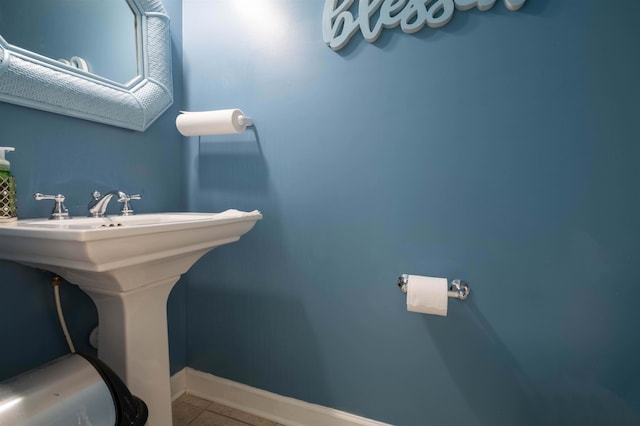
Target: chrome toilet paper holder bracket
{"type": "Point", "coordinates": [457, 289]}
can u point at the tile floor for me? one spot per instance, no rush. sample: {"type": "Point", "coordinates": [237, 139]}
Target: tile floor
{"type": "Point", "coordinates": [189, 410]}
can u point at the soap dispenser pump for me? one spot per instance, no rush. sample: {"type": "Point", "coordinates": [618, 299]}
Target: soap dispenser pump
{"type": "Point", "coordinates": [8, 210]}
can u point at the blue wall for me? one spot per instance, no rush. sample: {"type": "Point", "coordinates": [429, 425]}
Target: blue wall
{"type": "Point", "coordinates": [500, 149]}
{"type": "Point", "coordinates": [57, 154]}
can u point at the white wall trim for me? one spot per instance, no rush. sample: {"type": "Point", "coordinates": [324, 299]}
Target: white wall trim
{"type": "Point", "coordinates": [281, 409]}
{"type": "Point", "coordinates": [178, 384]}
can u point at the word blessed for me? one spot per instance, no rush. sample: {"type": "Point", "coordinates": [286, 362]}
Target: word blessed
{"type": "Point", "coordinates": [339, 24]}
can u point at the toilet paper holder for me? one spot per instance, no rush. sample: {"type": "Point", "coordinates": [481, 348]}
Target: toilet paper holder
{"type": "Point", "coordinates": [458, 289]}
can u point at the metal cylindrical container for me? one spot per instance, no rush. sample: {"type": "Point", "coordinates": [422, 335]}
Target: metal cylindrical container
{"type": "Point", "coordinates": [76, 389]}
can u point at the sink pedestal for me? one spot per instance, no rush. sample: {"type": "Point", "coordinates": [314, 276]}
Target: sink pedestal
{"type": "Point", "coordinates": [133, 342]}
{"type": "Point", "coordinates": [128, 266]}
{"type": "Point", "coordinates": [133, 338]}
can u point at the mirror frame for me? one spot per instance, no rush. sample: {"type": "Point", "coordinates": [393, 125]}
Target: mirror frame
{"type": "Point", "coordinates": [35, 81]}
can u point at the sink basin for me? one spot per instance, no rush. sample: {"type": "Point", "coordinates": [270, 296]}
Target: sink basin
{"type": "Point", "coordinates": [127, 265]}
{"type": "Point", "coordinates": [144, 220]}
{"type": "Point", "coordinates": [89, 251]}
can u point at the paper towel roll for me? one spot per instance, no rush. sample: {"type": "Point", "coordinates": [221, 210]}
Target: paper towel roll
{"type": "Point", "coordinates": [220, 122]}
{"type": "Point", "coordinates": [427, 295]}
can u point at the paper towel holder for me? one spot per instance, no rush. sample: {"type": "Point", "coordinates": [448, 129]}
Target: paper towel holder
{"type": "Point", "coordinates": [457, 289]}
{"type": "Point", "coordinates": [213, 122]}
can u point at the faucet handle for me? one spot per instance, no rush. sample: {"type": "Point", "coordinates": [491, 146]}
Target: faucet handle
{"type": "Point", "coordinates": [125, 199]}
{"type": "Point", "coordinates": [59, 211]}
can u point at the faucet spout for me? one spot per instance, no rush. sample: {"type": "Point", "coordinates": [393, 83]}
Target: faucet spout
{"type": "Point", "coordinates": [98, 206]}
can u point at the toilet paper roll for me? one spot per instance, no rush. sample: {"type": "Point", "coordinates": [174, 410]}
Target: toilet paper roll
{"type": "Point", "coordinates": [220, 122]}
{"type": "Point", "coordinates": [427, 295]}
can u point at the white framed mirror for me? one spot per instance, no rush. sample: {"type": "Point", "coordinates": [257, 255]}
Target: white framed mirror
{"type": "Point", "coordinates": [34, 80]}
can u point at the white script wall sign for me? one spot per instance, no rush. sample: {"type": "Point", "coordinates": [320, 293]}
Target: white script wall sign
{"type": "Point", "coordinates": [339, 24]}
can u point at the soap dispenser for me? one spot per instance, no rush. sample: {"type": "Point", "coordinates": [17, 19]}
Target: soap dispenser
{"type": "Point", "coordinates": [8, 210]}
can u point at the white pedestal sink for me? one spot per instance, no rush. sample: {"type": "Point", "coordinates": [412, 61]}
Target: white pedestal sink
{"type": "Point", "coordinates": [128, 265]}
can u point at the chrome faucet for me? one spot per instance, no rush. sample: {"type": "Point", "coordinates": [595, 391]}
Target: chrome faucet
{"type": "Point", "coordinates": [59, 212]}
{"type": "Point", "coordinates": [98, 205]}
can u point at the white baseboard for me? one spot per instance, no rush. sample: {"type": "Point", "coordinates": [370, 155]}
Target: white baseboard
{"type": "Point", "coordinates": [178, 384]}
{"type": "Point", "coordinates": [281, 409]}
